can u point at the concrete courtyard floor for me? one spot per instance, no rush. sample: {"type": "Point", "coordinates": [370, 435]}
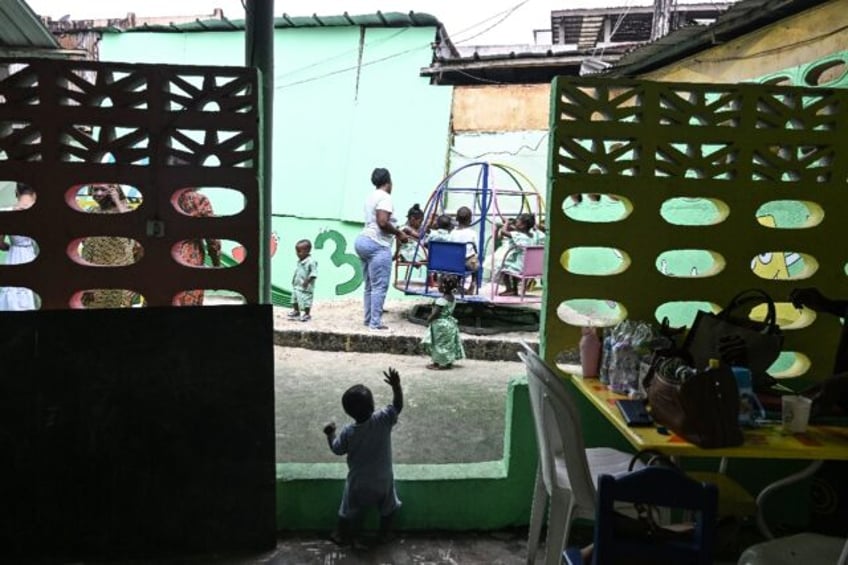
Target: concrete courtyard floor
{"type": "Point", "coordinates": [449, 416]}
{"type": "Point", "coordinates": [452, 416]}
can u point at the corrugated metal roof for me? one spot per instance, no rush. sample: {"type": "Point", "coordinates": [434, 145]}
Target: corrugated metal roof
{"type": "Point", "coordinates": [741, 18]}
{"type": "Point", "coordinates": [378, 19]}
{"type": "Point", "coordinates": [21, 28]}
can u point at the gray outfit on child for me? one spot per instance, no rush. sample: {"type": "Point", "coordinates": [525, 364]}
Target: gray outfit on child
{"type": "Point", "coordinates": [370, 480]}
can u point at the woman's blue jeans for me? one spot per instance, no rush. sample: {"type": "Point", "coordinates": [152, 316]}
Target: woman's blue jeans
{"type": "Point", "coordinates": [376, 268]}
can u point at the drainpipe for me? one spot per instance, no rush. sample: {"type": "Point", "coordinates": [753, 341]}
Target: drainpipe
{"type": "Point", "coordinates": [259, 53]}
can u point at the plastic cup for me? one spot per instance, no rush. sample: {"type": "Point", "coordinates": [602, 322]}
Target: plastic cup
{"type": "Point", "coordinates": [795, 413]}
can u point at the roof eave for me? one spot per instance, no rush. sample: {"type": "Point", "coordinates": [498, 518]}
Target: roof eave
{"type": "Point", "coordinates": [517, 63]}
{"type": "Point", "coordinates": [41, 53]}
{"type": "Point", "coordinates": [715, 34]}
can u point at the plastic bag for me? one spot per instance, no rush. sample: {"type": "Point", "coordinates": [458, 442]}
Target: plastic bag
{"type": "Point", "coordinates": [630, 343]}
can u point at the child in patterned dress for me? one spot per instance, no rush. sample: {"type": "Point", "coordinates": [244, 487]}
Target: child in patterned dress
{"type": "Point", "coordinates": [408, 251]}
{"type": "Point", "coordinates": [520, 236]}
{"type": "Point", "coordinates": [303, 282]}
{"type": "Point", "coordinates": [441, 339]}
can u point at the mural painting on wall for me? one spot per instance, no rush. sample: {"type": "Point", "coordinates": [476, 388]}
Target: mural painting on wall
{"type": "Point", "coordinates": [340, 257]}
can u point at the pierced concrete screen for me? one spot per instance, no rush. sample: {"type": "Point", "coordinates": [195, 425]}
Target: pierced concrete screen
{"type": "Point", "coordinates": [700, 167]}
{"type": "Point", "coordinates": [152, 129]}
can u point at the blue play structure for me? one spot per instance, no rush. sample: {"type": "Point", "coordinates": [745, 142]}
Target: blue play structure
{"type": "Point", "coordinates": [495, 193]}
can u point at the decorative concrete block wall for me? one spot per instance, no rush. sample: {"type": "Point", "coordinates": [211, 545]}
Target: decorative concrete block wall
{"type": "Point", "coordinates": [156, 128]}
{"type": "Point", "coordinates": [735, 149]}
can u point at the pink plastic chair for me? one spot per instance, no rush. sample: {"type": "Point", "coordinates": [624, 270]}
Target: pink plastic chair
{"type": "Point", "coordinates": [531, 269]}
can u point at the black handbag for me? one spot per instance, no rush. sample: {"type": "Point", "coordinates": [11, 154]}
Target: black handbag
{"type": "Point", "coordinates": [702, 407]}
{"type": "Point", "coordinates": [733, 338]}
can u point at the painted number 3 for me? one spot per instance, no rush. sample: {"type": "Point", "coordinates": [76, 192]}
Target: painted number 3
{"type": "Point", "coordinates": [340, 258]}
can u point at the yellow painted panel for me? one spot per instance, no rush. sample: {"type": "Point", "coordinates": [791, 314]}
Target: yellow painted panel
{"type": "Point", "coordinates": [793, 41]}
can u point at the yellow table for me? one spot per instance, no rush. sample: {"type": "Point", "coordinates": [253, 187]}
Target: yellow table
{"type": "Point", "coordinates": [768, 441]}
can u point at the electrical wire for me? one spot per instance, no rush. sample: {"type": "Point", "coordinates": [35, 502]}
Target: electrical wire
{"type": "Point", "coordinates": [351, 68]}
{"type": "Point", "coordinates": [504, 13]}
{"type": "Point", "coordinates": [340, 55]}
{"type": "Point", "coordinates": [620, 20]}
{"type": "Point", "coordinates": [488, 19]}
{"type": "Point", "coordinates": [509, 12]}
{"type": "Point", "coordinates": [480, 79]}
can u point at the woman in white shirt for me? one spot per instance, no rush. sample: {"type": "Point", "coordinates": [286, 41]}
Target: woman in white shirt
{"type": "Point", "coordinates": [374, 247]}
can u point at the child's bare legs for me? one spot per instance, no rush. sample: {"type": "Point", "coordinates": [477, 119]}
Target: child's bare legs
{"type": "Point", "coordinates": [511, 285]}
{"type": "Point", "coordinates": [295, 312]}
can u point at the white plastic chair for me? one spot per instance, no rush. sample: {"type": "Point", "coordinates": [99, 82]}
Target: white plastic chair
{"type": "Point", "coordinates": [567, 474]}
{"type": "Point", "coordinates": [806, 548]}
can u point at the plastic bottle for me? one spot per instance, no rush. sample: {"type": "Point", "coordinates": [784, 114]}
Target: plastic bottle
{"type": "Point", "coordinates": [606, 356]}
{"type": "Point", "coordinates": [590, 352]}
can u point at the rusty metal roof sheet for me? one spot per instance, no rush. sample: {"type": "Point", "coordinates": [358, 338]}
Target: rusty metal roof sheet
{"type": "Point", "coordinates": [21, 28]}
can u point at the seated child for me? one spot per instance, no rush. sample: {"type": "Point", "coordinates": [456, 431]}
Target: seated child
{"type": "Point", "coordinates": [368, 445]}
{"type": "Point", "coordinates": [444, 224]}
{"type": "Point", "coordinates": [519, 238]}
{"type": "Point", "coordinates": [464, 233]}
{"type": "Point", "coordinates": [409, 251]}
{"type": "Point", "coordinates": [537, 232]}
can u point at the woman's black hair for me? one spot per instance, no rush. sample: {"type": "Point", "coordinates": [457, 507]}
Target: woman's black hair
{"type": "Point", "coordinates": [21, 189]}
{"type": "Point", "coordinates": [415, 212]}
{"type": "Point", "coordinates": [108, 203]}
{"type": "Point", "coordinates": [380, 177]}
{"type": "Point", "coordinates": [358, 402]}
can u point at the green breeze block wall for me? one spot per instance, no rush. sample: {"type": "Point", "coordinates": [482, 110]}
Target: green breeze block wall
{"type": "Point", "coordinates": [738, 146]}
{"type": "Point", "coordinates": [830, 71]}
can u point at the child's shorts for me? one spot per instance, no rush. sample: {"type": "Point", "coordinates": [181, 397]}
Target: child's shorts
{"type": "Point", "coordinates": [303, 298]}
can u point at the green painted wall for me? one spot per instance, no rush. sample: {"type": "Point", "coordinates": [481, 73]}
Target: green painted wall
{"type": "Point", "coordinates": [814, 73]}
{"type": "Point", "coordinates": [335, 119]}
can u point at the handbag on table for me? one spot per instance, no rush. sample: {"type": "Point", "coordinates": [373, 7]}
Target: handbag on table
{"type": "Point", "coordinates": [702, 407]}
{"type": "Point", "coordinates": [735, 339]}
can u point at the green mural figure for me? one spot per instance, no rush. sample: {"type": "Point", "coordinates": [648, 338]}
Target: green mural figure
{"type": "Point", "coordinates": [340, 258]}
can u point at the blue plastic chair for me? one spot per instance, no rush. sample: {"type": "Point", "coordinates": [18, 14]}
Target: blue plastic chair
{"type": "Point", "coordinates": [659, 487]}
{"type": "Point", "coordinates": [447, 258]}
